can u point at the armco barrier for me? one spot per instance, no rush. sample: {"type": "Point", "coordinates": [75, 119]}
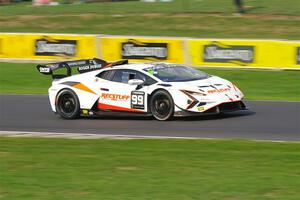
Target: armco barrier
{"type": "Point", "coordinates": [141, 49]}
{"type": "Point", "coordinates": [234, 53]}
{"type": "Point", "coordinates": [246, 53]}
{"type": "Point", "coordinates": [47, 46]}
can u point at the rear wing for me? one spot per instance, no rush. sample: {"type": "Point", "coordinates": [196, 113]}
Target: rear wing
{"type": "Point", "coordinates": [83, 66]}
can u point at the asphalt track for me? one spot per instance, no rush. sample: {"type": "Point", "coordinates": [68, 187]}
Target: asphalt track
{"type": "Point", "coordinates": [266, 120]}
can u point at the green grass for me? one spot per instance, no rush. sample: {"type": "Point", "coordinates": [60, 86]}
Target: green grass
{"type": "Point", "coordinates": [23, 78]}
{"type": "Point", "coordinates": [277, 7]}
{"type": "Point", "coordinates": [264, 85]}
{"type": "Point", "coordinates": [51, 169]}
{"type": "Point", "coordinates": [188, 18]}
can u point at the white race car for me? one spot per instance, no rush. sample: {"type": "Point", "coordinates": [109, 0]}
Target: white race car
{"type": "Point", "coordinates": [162, 90]}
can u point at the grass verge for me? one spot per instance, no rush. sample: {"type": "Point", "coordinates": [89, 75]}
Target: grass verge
{"type": "Point", "coordinates": [187, 18]}
{"type": "Point", "coordinates": [277, 7]}
{"type": "Point", "coordinates": [23, 78]}
{"type": "Point", "coordinates": [35, 168]}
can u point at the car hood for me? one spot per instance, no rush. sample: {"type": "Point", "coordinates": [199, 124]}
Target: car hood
{"type": "Point", "coordinates": [204, 85]}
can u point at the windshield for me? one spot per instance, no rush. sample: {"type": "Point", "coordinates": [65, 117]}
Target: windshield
{"type": "Point", "coordinates": [175, 73]}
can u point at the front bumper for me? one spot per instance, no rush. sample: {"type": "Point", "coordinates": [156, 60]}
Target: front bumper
{"type": "Point", "coordinates": [220, 108]}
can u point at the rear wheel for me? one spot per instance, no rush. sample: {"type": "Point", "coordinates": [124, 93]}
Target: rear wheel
{"type": "Point", "coordinates": [162, 105]}
{"type": "Point", "coordinates": [67, 104]}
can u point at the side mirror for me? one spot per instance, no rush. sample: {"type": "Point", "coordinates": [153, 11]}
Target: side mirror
{"type": "Point", "coordinates": [135, 82]}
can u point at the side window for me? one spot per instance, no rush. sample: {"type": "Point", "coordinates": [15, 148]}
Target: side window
{"type": "Point", "coordinates": [122, 76]}
{"type": "Point", "coordinates": [148, 80]}
{"type": "Point", "coordinates": [107, 75]}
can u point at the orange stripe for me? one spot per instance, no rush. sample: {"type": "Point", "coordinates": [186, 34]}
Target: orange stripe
{"type": "Point", "coordinates": [111, 107]}
{"type": "Point", "coordinates": [80, 86]}
{"type": "Point", "coordinates": [107, 66]}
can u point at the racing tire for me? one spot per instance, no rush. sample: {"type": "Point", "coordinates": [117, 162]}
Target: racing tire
{"type": "Point", "coordinates": [67, 104]}
{"type": "Point", "coordinates": [162, 105]}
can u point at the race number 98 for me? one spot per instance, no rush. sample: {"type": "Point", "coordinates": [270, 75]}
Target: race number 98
{"type": "Point", "coordinates": [137, 100]}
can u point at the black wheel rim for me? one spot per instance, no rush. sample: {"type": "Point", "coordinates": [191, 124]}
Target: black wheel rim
{"type": "Point", "coordinates": [162, 106]}
{"type": "Point", "coordinates": [67, 104]}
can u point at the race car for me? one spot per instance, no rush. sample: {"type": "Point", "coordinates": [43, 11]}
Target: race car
{"type": "Point", "coordinates": [162, 90]}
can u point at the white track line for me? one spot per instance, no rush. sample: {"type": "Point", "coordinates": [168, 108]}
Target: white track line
{"type": "Point", "coordinates": [107, 136]}
{"type": "Point", "coordinates": [84, 135]}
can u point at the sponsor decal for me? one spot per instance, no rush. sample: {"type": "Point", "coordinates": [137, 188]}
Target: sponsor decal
{"type": "Point", "coordinates": [137, 100]}
{"type": "Point", "coordinates": [85, 112]}
{"type": "Point", "coordinates": [115, 97]}
{"type": "Point", "coordinates": [201, 108]}
{"type": "Point", "coordinates": [238, 54]}
{"type": "Point", "coordinates": [52, 47]}
{"type": "Point", "coordinates": [298, 56]}
{"type": "Point", "coordinates": [88, 67]}
{"type": "Point", "coordinates": [44, 70]}
{"type": "Point", "coordinates": [77, 62]}
{"type": "Point", "coordinates": [133, 49]}
{"type": "Point", "coordinates": [218, 90]}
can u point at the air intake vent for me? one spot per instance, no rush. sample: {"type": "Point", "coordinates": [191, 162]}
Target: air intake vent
{"type": "Point", "coordinates": [231, 106]}
{"type": "Point", "coordinates": [203, 86]}
{"type": "Point", "coordinates": [201, 104]}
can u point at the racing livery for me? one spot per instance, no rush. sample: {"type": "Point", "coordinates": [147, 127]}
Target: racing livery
{"type": "Point", "coordinates": [162, 90]}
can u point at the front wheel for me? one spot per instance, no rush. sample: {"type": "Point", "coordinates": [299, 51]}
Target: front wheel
{"type": "Point", "coordinates": [67, 104]}
{"type": "Point", "coordinates": [162, 105]}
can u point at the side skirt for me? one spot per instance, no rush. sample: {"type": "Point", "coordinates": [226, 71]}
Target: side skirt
{"type": "Point", "coordinates": [120, 113]}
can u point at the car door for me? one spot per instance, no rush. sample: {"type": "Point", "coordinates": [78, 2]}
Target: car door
{"type": "Point", "coordinates": [117, 95]}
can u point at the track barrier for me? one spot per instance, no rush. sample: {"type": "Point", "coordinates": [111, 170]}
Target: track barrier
{"type": "Point", "coordinates": [232, 53]}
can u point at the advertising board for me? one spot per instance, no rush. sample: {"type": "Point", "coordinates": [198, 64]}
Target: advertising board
{"type": "Point", "coordinates": [47, 46]}
{"type": "Point", "coordinates": [243, 53]}
{"type": "Point", "coordinates": [141, 49]}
